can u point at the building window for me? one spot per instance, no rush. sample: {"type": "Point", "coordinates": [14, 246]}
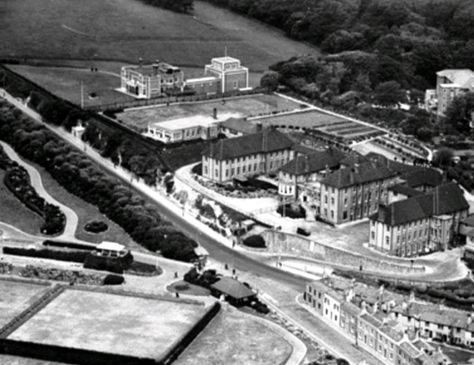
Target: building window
{"type": "Point", "coordinates": [372, 234]}
{"type": "Point", "coordinates": [332, 214]}
{"type": "Point", "coordinates": [332, 201]}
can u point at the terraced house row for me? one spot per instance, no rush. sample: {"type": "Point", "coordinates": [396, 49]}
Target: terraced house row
{"type": "Point", "coordinates": [381, 322]}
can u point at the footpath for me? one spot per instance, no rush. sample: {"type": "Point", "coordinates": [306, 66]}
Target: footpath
{"type": "Point", "coordinates": [278, 297]}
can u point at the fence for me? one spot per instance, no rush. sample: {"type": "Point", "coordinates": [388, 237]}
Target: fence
{"type": "Point", "coordinates": [290, 244]}
{"type": "Point", "coordinates": [168, 100]}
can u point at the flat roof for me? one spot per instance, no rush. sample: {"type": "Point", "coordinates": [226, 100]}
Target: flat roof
{"type": "Point", "coordinates": [201, 79]}
{"type": "Point", "coordinates": [193, 121]}
{"type": "Point", "coordinates": [225, 59]}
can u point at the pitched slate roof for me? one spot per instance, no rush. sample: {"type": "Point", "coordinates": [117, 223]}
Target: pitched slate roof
{"type": "Point", "coordinates": [239, 125]}
{"type": "Point", "coordinates": [405, 190]}
{"type": "Point", "coordinates": [233, 288]}
{"type": "Point", "coordinates": [314, 162]}
{"type": "Point", "coordinates": [428, 177]}
{"type": "Point", "coordinates": [444, 199]}
{"type": "Point", "coordinates": [358, 174]}
{"type": "Point", "coordinates": [269, 140]}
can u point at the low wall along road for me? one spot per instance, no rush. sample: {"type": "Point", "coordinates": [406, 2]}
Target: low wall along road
{"type": "Point", "coordinates": [291, 244]}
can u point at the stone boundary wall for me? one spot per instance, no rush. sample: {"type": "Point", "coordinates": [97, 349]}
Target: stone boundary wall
{"type": "Point", "coordinates": [294, 245]}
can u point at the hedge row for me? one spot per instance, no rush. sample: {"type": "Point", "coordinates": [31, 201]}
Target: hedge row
{"type": "Point", "coordinates": [80, 176]}
{"type": "Point", "coordinates": [45, 253]}
{"type": "Point", "coordinates": [17, 181]}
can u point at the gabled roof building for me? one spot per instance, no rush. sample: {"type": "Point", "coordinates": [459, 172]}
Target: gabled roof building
{"type": "Point", "coordinates": [259, 153]}
{"type": "Point", "coordinates": [420, 224]}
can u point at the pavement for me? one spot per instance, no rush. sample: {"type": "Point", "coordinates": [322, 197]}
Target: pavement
{"type": "Point", "coordinates": [282, 287]}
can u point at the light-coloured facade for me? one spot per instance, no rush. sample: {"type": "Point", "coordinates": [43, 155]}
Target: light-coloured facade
{"type": "Point", "coordinates": [419, 225]}
{"type": "Point", "coordinates": [232, 75]}
{"type": "Point", "coordinates": [186, 129]}
{"type": "Point", "coordinates": [147, 81]}
{"type": "Point", "coordinates": [390, 341]}
{"type": "Point", "coordinates": [449, 84]}
{"type": "Point", "coordinates": [259, 153]}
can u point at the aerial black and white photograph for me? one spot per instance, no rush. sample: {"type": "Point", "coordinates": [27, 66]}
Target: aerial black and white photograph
{"type": "Point", "coordinates": [236, 182]}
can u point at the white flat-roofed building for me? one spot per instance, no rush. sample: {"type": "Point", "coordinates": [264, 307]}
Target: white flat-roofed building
{"type": "Point", "coordinates": [147, 81]}
{"type": "Point", "coordinates": [111, 249]}
{"type": "Point", "coordinates": [232, 74]}
{"type": "Point", "coordinates": [188, 128]}
{"type": "Point", "coordinates": [209, 85]}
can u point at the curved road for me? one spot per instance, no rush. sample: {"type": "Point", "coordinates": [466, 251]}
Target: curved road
{"type": "Point", "coordinates": [35, 177]}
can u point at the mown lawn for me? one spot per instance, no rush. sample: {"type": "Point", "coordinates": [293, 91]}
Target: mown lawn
{"type": "Point", "coordinates": [238, 340]}
{"type": "Point", "coordinates": [13, 212]}
{"type": "Point", "coordinates": [86, 213]}
{"type": "Point", "coordinates": [124, 30]}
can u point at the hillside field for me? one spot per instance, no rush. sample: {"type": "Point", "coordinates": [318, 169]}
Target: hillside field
{"type": "Point", "coordinates": [124, 30]}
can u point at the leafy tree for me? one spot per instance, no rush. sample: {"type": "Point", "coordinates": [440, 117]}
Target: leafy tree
{"type": "Point", "coordinates": [459, 114]}
{"type": "Point", "coordinates": [270, 80]}
{"type": "Point", "coordinates": [388, 94]}
{"type": "Point", "coordinates": [443, 157]}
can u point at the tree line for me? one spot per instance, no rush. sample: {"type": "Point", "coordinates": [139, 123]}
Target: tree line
{"type": "Point", "coordinates": [80, 176]}
{"type": "Point", "coordinates": [180, 6]}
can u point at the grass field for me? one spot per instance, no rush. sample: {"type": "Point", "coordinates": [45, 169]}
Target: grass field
{"type": "Point", "coordinates": [239, 107]}
{"type": "Point", "coordinates": [13, 212]}
{"type": "Point", "coordinates": [66, 83]}
{"type": "Point", "coordinates": [86, 212]}
{"type": "Point", "coordinates": [126, 30]}
{"type": "Point", "coordinates": [238, 340]}
{"type": "Point", "coordinates": [16, 297]}
{"type": "Point", "coordinates": [110, 323]}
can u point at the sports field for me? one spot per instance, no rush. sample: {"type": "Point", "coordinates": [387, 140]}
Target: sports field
{"type": "Point", "coordinates": [110, 323]}
{"type": "Point", "coordinates": [16, 297]}
{"type": "Point", "coordinates": [239, 107]}
{"type": "Point", "coordinates": [124, 30]}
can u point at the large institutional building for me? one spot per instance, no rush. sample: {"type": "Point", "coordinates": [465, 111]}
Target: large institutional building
{"type": "Point", "coordinates": [259, 153]}
{"type": "Point", "coordinates": [392, 327]}
{"type": "Point", "coordinates": [222, 75]}
{"type": "Point", "coordinates": [419, 224]}
{"type": "Point", "coordinates": [449, 84]}
{"type": "Point", "coordinates": [147, 81]}
{"type": "Point", "coordinates": [335, 188]}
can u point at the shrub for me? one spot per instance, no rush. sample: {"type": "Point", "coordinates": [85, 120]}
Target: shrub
{"type": "Point", "coordinates": [142, 268]}
{"type": "Point", "coordinates": [74, 256]}
{"type": "Point", "coordinates": [255, 241]}
{"type": "Point", "coordinates": [292, 211]}
{"type": "Point", "coordinates": [96, 226]}
{"type": "Point", "coordinates": [112, 279]}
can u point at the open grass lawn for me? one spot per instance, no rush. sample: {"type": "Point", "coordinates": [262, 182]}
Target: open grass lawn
{"type": "Point", "coordinates": [86, 212]}
{"type": "Point", "coordinates": [238, 107]}
{"type": "Point", "coordinates": [13, 212]}
{"type": "Point", "coordinates": [66, 82]}
{"type": "Point", "coordinates": [16, 297]}
{"type": "Point", "coordinates": [110, 323]}
{"type": "Point", "coordinates": [127, 29]}
{"type": "Point", "coordinates": [234, 339]}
